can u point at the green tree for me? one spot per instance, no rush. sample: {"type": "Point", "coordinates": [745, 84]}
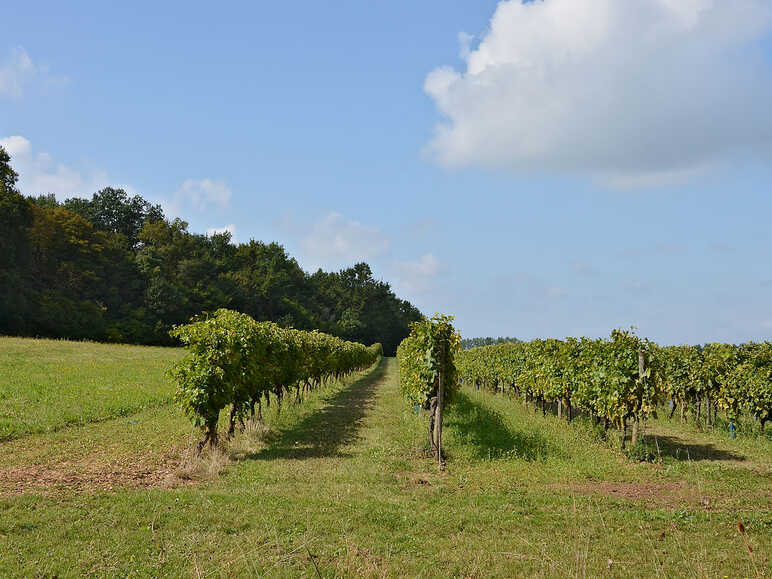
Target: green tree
{"type": "Point", "coordinates": [15, 218]}
{"type": "Point", "coordinates": [114, 211]}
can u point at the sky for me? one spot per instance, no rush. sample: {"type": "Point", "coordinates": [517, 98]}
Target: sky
{"type": "Point", "coordinates": [548, 168]}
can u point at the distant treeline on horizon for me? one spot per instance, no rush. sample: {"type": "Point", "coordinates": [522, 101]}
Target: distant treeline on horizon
{"type": "Point", "coordinates": [114, 268]}
{"type": "Point", "coordinates": [469, 343]}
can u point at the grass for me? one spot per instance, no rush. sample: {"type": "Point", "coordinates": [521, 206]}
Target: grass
{"type": "Point", "coordinates": [48, 384]}
{"type": "Point", "coordinates": [750, 444]}
{"type": "Point", "coordinates": [343, 482]}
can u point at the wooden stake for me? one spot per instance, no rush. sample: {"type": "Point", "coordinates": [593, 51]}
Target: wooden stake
{"type": "Point", "coordinates": [440, 397]}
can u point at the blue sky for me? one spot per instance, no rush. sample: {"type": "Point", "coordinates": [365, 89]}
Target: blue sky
{"type": "Point", "coordinates": [549, 169]}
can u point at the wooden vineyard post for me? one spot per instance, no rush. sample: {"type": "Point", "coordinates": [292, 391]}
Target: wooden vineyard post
{"type": "Point", "coordinates": [623, 428]}
{"type": "Point", "coordinates": [637, 417]}
{"type": "Point", "coordinates": [708, 421]}
{"type": "Point", "coordinates": [440, 401]}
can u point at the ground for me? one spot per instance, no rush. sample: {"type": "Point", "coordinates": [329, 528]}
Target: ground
{"type": "Point", "coordinates": [342, 485]}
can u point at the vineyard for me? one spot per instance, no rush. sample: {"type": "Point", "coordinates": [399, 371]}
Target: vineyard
{"type": "Point", "coordinates": [324, 467]}
{"type": "Point", "coordinates": [235, 361]}
{"type": "Point", "coordinates": [625, 379]}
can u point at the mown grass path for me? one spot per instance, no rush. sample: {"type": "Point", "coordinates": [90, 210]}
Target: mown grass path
{"type": "Point", "coordinates": [343, 484]}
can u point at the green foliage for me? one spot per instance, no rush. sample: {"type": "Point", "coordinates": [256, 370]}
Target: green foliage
{"type": "Point", "coordinates": [683, 372]}
{"type": "Point", "coordinates": [112, 210]}
{"type": "Point", "coordinates": [216, 364]}
{"type": "Point", "coordinates": [15, 218]}
{"type": "Point", "coordinates": [469, 343]}
{"type": "Point", "coordinates": [644, 451]}
{"type": "Point", "coordinates": [128, 274]}
{"type": "Point", "coordinates": [8, 177]}
{"type": "Point", "coordinates": [719, 362]}
{"type": "Point", "coordinates": [234, 361]}
{"type": "Point", "coordinates": [421, 356]}
{"type": "Point", "coordinates": [525, 496]}
{"type": "Point", "coordinates": [602, 377]}
{"type": "Point", "coordinates": [749, 385]}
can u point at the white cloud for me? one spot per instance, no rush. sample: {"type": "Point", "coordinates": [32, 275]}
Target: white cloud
{"type": "Point", "coordinates": [16, 145]}
{"type": "Point", "coordinates": [335, 241]}
{"type": "Point", "coordinates": [19, 70]}
{"type": "Point", "coordinates": [414, 277]}
{"type": "Point", "coordinates": [638, 93]}
{"type": "Point", "coordinates": [39, 174]}
{"type": "Point", "coordinates": [204, 193]}
{"type": "Point", "coordinates": [465, 44]}
{"type": "Point", "coordinates": [197, 195]}
{"type": "Point", "coordinates": [230, 228]}
{"type": "Point", "coordinates": [15, 72]}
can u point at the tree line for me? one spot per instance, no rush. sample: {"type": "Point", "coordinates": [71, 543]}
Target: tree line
{"type": "Point", "coordinates": [114, 268]}
{"type": "Point", "coordinates": [469, 343]}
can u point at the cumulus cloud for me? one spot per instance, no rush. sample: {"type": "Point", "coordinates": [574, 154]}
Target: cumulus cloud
{"type": "Point", "coordinates": [230, 228]}
{"type": "Point", "coordinates": [414, 277]}
{"type": "Point", "coordinates": [16, 145]}
{"type": "Point", "coordinates": [19, 70]}
{"type": "Point", "coordinates": [335, 241]}
{"type": "Point", "coordinates": [39, 174]}
{"type": "Point", "coordinates": [634, 93]}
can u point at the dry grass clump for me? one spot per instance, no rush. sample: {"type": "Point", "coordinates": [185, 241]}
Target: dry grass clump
{"type": "Point", "coordinates": [212, 461]}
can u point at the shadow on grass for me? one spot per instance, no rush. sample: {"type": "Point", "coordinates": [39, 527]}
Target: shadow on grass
{"type": "Point", "coordinates": [679, 449]}
{"type": "Point", "coordinates": [485, 434]}
{"type": "Point", "coordinates": [324, 432]}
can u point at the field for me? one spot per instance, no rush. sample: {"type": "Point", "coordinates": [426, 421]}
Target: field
{"type": "Point", "coordinates": [49, 384]}
{"type": "Point", "coordinates": [96, 478]}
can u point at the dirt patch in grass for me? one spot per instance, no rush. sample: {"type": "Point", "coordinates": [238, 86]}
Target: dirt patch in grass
{"type": "Point", "coordinates": [94, 475]}
{"type": "Point", "coordinates": [669, 495]}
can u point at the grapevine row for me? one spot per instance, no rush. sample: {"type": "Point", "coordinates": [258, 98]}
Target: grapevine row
{"type": "Point", "coordinates": [234, 361]}
{"type": "Point", "coordinates": [624, 377]}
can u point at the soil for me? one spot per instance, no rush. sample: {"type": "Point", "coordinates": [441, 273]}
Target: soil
{"type": "Point", "coordinates": [93, 475]}
{"type": "Point", "coordinates": [671, 494]}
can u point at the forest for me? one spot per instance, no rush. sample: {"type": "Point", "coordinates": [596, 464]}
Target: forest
{"type": "Point", "coordinates": [114, 268]}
